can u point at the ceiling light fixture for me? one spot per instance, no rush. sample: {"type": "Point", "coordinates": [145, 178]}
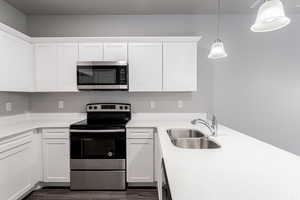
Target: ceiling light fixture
{"type": "Point", "coordinates": [217, 48]}
{"type": "Point", "coordinates": [270, 17]}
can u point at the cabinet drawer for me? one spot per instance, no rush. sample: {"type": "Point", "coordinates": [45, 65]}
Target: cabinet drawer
{"type": "Point", "coordinates": [15, 144]}
{"type": "Point", "coordinates": [140, 133]}
{"type": "Point", "coordinates": [55, 133]}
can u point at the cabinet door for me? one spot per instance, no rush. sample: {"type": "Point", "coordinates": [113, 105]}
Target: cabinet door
{"type": "Point", "coordinates": [115, 51]}
{"type": "Point", "coordinates": [56, 158]}
{"type": "Point", "coordinates": [46, 67]}
{"type": "Point", "coordinates": [15, 56]}
{"type": "Point", "coordinates": [180, 66]}
{"type": "Point", "coordinates": [67, 55]}
{"type": "Point", "coordinates": [10, 63]}
{"type": "Point", "coordinates": [15, 168]}
{"type": "Point", "coordinates": [29, 73]}
{"type": "Point", "coordinates": [36, 155]}
{"type": "Point", "coordinates": [140, 160]}
{"type": "Point", "coordinates": [90, 51]}
{"type": "Point", "coordinates": [145, 62]}
{"type": "Point", "coordinates": [4, 69]}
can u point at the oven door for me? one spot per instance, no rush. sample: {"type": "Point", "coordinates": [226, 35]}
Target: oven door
{"type": "Point", "coordinates": [98, 159]}
{"type": "Point", "coordinates": [102, 76]}
{"type": "Point", "coordinates": [98, 144]}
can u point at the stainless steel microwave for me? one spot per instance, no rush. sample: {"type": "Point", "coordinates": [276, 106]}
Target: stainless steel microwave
{"type": "Point", "coordinates": [102, 75]}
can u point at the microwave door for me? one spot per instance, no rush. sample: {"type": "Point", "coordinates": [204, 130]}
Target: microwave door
{"type": "Point", "coordinates": [101, 76]}
{"type": "Point", "coordinates": [105, 76]}
{"type": "Point", "coordinates": [97, 76]}
{"type": "Point", "coordinates": [85, 76]}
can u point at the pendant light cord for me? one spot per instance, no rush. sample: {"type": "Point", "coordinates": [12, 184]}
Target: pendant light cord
{"type": "Point", "coordinates": [218, 19]}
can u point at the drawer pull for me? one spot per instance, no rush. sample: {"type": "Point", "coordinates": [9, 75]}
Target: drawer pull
{"type": "Point", "coordinates": [139, 143]}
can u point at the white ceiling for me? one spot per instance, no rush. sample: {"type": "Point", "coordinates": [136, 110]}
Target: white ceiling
{"type": "Point", "coordinates": [138, 6]}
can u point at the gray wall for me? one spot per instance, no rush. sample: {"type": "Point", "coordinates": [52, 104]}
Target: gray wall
{"type": "Point", "coordinates": [254, 90]}
{"type": "Point", "coordinates": [129, 25]}
{"type": "Point", "coordinates": [257, 89]}
{"type": "Point", "coordinates": [19, 102]}
{"type": "Point", "coordinates": [13, 18]}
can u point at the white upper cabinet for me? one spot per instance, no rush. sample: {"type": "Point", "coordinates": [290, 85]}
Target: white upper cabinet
{"type": "Point", "coordinates": [55, 66]}
{"type": "Point", "coordinates": [46, 67]}
{"type": "Point", "coordinates": [16, 64]}
{"type": "Point", "coordinates": [90, 51]}
{"type": "Point", "coordinates": [115, 51]}
{"type": "Point", "coordinates": [180, 66]}
{"type": "Point", "coordinates": [67, 55]}
{"type": "Point", "coordinates": [145, 67]}
{"type": "Point", "coordinates": [156, 64]}
{"type": "Point", "coordinates": [29, 78]}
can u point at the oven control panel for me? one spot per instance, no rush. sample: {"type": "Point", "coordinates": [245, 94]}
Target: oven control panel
{"type": "Point", "coordinates": [108, 107]}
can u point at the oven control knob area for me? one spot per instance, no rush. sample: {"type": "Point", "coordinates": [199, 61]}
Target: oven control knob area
{"type": "Point", "coordinates": [92, 108]}
{"type": "Point", "coordinates": [110, 154]}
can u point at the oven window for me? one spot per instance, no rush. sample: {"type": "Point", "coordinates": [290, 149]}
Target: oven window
{"type": "Point", "coordinates": [98, 146]}
{"type": "Point", "coordinates": [94, 76]}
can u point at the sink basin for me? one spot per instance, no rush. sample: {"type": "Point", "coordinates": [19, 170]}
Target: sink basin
{"type": "Point", "coordinates": [195, 143]}
{"type": "Point", "coordinates": [184, 133]}
{"type": "Point", "coordinates": [191, 139]}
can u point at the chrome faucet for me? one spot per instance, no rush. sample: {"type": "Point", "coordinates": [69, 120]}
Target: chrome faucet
{"type": "Point", "coordinates": [213, 127]}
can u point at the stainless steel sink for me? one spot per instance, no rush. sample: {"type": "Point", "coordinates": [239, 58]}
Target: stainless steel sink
{"type": "Point", "coordinates": [195, 143]}
{"type": "Point", "coordinates": [191, 139]}
{"type": "Point", "coordinates": [184, 133]}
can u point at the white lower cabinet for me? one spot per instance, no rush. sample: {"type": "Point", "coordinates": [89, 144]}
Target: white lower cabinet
{"type": "Point", "coordinates": [140, 156]}
{"type": "Point", "coordinates": [56, 155]}
{"type": "Point", "coordinates": [36, 158]}
{"type": "Point", "coordinates": [32, 157]}
{"type": "Point", "coordinates": [15, 166]}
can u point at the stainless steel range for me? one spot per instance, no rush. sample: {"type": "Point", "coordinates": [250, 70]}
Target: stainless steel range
{"type": "Point", "coordinates": [98, 148]}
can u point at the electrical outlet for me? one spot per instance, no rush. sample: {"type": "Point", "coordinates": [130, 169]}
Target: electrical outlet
{"type": "Point", "coordinates": [8, 106]}
{"type": "Point", "coordinates": [179, 104]}
{"type": "Point", "coordinates": [61, 104]}
{"type": "Point", "coordinates": [152, 104]}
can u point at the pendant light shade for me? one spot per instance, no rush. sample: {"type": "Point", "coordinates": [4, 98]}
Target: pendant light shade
{"type": "Point", "coordinates": [217, 50]}
{"type": "Point", "coordinates": [270, 17]}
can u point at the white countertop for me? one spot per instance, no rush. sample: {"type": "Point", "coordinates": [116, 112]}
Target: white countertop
{"type": "Point", "coordinates": [13, 125]}
{"type": "Point", "coordinates": [242, 169]}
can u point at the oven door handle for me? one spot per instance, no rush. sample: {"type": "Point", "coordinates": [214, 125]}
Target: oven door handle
{"type": "Point", "coordinates": [97, 131]}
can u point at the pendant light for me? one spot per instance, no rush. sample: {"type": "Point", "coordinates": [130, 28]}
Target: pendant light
{"type": "Point", "coordinates": [270, 17]}
{"type": "Point", "coordinates": [217, 48]}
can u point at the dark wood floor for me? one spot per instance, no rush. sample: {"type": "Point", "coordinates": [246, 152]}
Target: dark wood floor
{"type": "Point", "coordinates": [66, 194]}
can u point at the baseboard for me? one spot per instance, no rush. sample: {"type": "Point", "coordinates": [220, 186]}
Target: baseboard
{"type": "Point", "coordinates": [142, 185]}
